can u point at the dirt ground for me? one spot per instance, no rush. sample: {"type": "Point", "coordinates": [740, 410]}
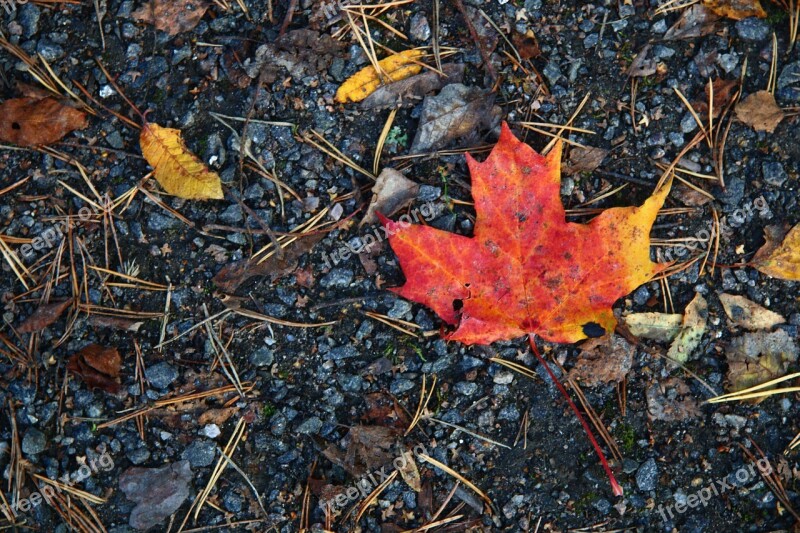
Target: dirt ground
{"type": "Point", "coordinates": [308, 375]}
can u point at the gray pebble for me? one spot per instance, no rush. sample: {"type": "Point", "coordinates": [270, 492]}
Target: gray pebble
{"type": "Point", "coordinates": [34, 442]}
{"type": "Point", "coordinates": [774, 173]}
{"type": "Point", "coordinates": [753, 29]}
{"type": "Point", "coordinates": [647, 475]}
{"type": "Point", "coordinates": [310, 426]}
{"type": "Point", "coordinates": [420, 30]}
{"type": "Point", "coordinates": [200, 453]}
{"type": "Point", "coordinates": [161, 375]}
{"type": "Point", "coordinates": [337, 278]}
{"type": "Point", "coordinates": [261, 357]}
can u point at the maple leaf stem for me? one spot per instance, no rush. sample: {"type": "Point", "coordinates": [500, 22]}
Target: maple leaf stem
{"type": "Point", "coordinates": [614, 485]}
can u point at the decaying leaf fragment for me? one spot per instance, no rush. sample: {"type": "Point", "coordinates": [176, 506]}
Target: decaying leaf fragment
{"type": "Point", "coordinates": [695, 21]}
{"type": "Point", "coordinates": [760, 111]}
{"type": "Point", "coordinates": [758, 357]}
{"type": "Point", "coordinates": [98, 367]}
{"type": "Point", "coordinates": [607, 359]}
{"type": "Point", "coordinates": [526, 270]}
{"type": "Point", "coordinates": [671, 401]}
{"type": "Point", "coordinates": [34, 121]}
{"type": "Point", "coordinates": [780, 256]}
{"type": "Point", "coordinates": [748, 314]}
{"type": "Point", "coordinates": [44, 316]}
{"type": "Point", "coordinates": [392, 192]}
{"type": "Point", "coordinates": [412, 90]}
{"type": "Point", "coordinates": [736, 9]}
{"type": "Point", "coordinates": [656, 326]}
{"type": "Point", "coordinates": [395, 67]}
{"type": "Point", "coordinates": [692, 329]}
{"type": "Point", "coordinates": [584, 159]}
{"type": "Point", "coordinates": [177, 169]}
{"type": "Point", "coordinates": [407, 466]}
{"type": "Point", "coordinates": [457, 113]}
{"type": "Point", "coordinates": [231, 276]}
{"type": "Point", "coordinates": [172, 16]}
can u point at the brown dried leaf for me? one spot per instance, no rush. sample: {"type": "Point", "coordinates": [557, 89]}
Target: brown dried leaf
{"type": "Point", "coordinates": [172, 16]}
{"type": "Point", "coordinates": [34, 121]}
{"type": "Point", "coordinates": [382, 407]}
{"type": "Point", "coordinates": [231, 276]}
{"type": "Point", "coordinates": [410, 91]}
{"type": "Point", "coordinates": [606, 359]}
{"type": "Point", "coordinates": [367, 448]}
{"type": "Point", "coordinates": [457, 112]}
{"type": "Point", "coordinates": [760, 112]}
{"type": "Point", "coordinates": [114, 322]}
{"type": "Point", "coordinates": [392, 192]}
{"type": "Point", "coordinates": [159, 492]}
{"type": "Point", "coordinates": [409, 471]}
{"type": "Point", "coordinates": [527, 45]}
{"type": "Point", "coordinates": [641, 66]}
{"type": "Point", "coordinates": [696, 21]}
{"type": "Point", "coordinates": [723, 94]}
{"type": "Point", "coordinates": [217, 416]}
{"type": "Point", "coordinates": [671, 401]}
{"type": "Point", "coordinates": [98, 367]}
{"type": "Point", "coordinates": [44, 316]}
{"type": "Point", "coordinates": [584, 159]}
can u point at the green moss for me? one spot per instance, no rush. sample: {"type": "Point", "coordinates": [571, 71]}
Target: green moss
{"type": "Point", "coordinates": [268, 410]}
{"type": "Point", "coordinates": [627, 437]}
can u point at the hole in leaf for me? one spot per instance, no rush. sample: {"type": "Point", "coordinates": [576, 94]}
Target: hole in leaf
{"type": "Point", "coordinates": [15, 126]}
{"type": "Point", "coordinates": [458, 305]}
{"type": "Point", "coordinates": [593, 330]}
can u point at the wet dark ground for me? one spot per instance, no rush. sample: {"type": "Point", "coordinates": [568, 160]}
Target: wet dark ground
{"type": "Point", "coordinates": [312, 384]}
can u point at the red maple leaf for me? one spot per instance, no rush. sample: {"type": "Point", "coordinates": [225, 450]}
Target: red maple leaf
{"type": "Point", "coordinates": [526, 270]}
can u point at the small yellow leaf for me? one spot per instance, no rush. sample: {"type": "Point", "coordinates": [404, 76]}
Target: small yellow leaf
{"type": "Point", "coordinates": [177, 169]}
{"type": "Point", "coordinates": [364, 82]}
{"type": "Point", "coordinates": [780, 256]}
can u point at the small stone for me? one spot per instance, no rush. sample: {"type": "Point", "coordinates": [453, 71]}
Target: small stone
{"type": "Point", "coordinates": [34, 442]}
{"type": "Point", "coordinates": [346, 351]}
{"type": "Point", "coordinates": [552, 72]}
{"type": "Point", "coordinates": [232, 501]}
{"type": "Point", "coordinates": [400, 309]}
{"type": "Point", "coordinates": [161, 375]}
{"type": "Point", "coordinates": [200, 453]}
{"type": "Point", "coordinates": [399, 386]}
{"type": "Point", "coordinates": [232, 214]}
{"type": "Point", "coordinates": [49, 50]}
{"type": "Point", "coordinates": [647, 476]}
{"type": "Point", "coordinates": [728, 62]}
{"type": "Point", "coordinates": [774, 173]}
{"type": "Point", "coordinates": [753, 29]}
{"type": "Point", "coordinates": [337, 278]}
{"type": "Point", "coordinates": [688, 123]}
{"type": "Point", "coordinates": [310, 426]}
{"type": "Point", "coordinates": [420, 30]}
{"type": "Point", "coordinates": [504, 377]}
{"type": "Point", "coordinates": [261, 357]}
{"type": "Point", "coordinates": [211, 431]}
{"type": "Point", "coordinates": [466, 388]}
